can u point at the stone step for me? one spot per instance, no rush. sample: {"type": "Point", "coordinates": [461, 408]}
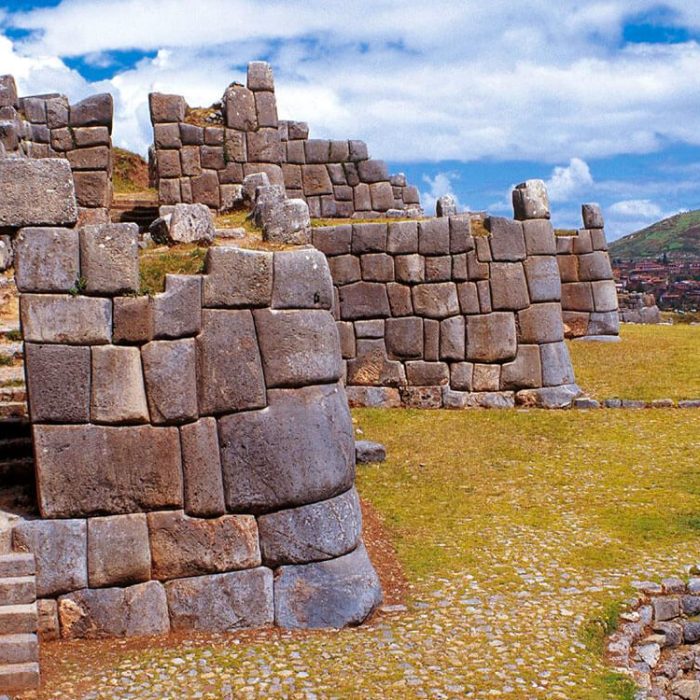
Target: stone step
{"type": "Point", "coordinates": [16, 677]}
{"type": "Point", "coordinates": [13, 409]}
{"type": "Point", "coordinates": [13, 428]}
{"type": "Point", "coordinates": [16, 471]}
{"type": "Point", "coordinates": [19, 649]}
{"type": "Point", "coordinates": [18, 590]}
{"type": "Point", "coordinates": [17, 564]}
{"type": "Point", "coordinates": [15, 448]}
{"type": "Point", "coordinates": [18, 619]}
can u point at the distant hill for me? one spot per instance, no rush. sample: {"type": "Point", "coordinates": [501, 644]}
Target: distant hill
{"type": "Point", "coordinates": [678, 236]}
{"type": "Point", "coordinates": [130, 172]}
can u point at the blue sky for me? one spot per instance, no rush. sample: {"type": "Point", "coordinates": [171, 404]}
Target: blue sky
{"type": "Point", "coordinates": [599, 98]}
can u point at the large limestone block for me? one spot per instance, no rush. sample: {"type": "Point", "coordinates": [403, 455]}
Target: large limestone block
{"type": "Point", "coordinates": [110, 470]}
{"type": "Point", "coordinates": [507, 239]}
{"type": "Point", "coordinates": [58, 382]}
{"type": "Point", "coordinates": [169, 368]}
{"type": "Point", "coordinates": [404, 338]}
{"type": "Point", "coordinates": [333, 240]}
{"type": "Point", "coordinates": [311, 533]}
{"type": "Point", "coordinates": [577, 296]}
{"type": "Point", "coordinates": [525, 372]}
{"type": "Point", "coordinates": [288, 221]}
{"type": "Point", "coordinates": [364, 300]}
{"type": "Point", "coordinates": [298, 348]}
{"type": "Point", "coordinates": [371, 171]}
{"type": "Point", "coordinates": [139, 610]}
{"type": "Point", "coordinates": [177, 312]}
{"type": "Point", "coordinates": [117, 391]}
{"type": "Point", "coordinates": [421, 373]}
{"type": "Point", "coordinates": [373, 367]}
{"type": "Point", "coordinates": [452, 338]}
{"type": "Point", "coordinates": [316, 180]}
{"type": "Point", "coordinates": [345, 269]}
{"type": "Point", "coordinates": [264, 146]}
{"type": "Point", "coordinates": [541, 323]}
{"type": "Point", "coordinates": [369, 238]}
{"type": "Point", "coordinates": [96, 110]}
{"type": "Point", "coordinates": [434, 237]}
{"type": "Point", "coordinates": [183, 546]}
{"type": "Point", "coordinates": [133, 319]}
{"type": "Point", "coordinates": [118, 550]}
{"type": "Point", "coordinates": [297, 451]}
{"type": "Point", "coordinates": [543, 281]}
{"type": "Point", "coordinates": [509, 290]}
{"type": "Point", "coordinates": [491, 337]}
{"type": "Point", "coordinates": [237, 277]}
{"type": "Point", "coordinates": [605, 323]}
{"type": "Point", "coordinates": [46, 259]}
{"type": "Point", "coordinates": [222, 602]}
{"type": "Point", "coordinates": [592, 216]}
{"type": "Point", "coordinates": [436, 300]}
{"type": "Point", "coordinates": [60, 551]}
{"type": "Point", "coordinates": [96, 158]}
{"type": "Point", "coordinates": [61, 318]}
{"type": "Point", "coordinates": [402, 237]}
{"type": "Point", "coordinates": [109, 258]}
{"type": "Point", "coordinates": [92, 189]}
{"type": "Point", "coordinates": [556, 364]}
{"type": "Point", "coordinates": [201, 468]}
{"type": "Point", "coordinates": [531, 201]}
{"type": "Point", "coordinates": [36, 193]}
{"type": "Point", "coordinates": [260, 76]}
{"type": "Point", "coordinates": [302, 280]}
{"type": "Point", "coordinates": [229, 368]}
{"type": "Point", "coordinates": [335, 593]}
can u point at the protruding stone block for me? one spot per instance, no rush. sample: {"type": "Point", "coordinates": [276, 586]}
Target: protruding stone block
{"type": "Point", "coordinates": [191, 223]}
{"type": "Point", "coordinates": [171, 380]}
{"type": "Point", "coordinates": [531, 201]}
{"type": "Point", "coordinates": [58, 318]}
{"type": "Point", "coordinates": [36, 193]}
{"type": "Point", "coordinates": [491, 337]}
{"type": "Point", "coordinates": [315, 532]}
{"type": "Point", "coordinates": [47, 259]}
{"type": "Point", "coordinates": [299, 450]}
{"type": "Point", "coordinates": [166, 108]}
{"type": "Point", "coordinates": [222, 602]}
{"type": "Point", "coordinates": [177, 312]}
{"type": "Point", "coordinates": [541, 323]}
{"type": "Point", "coordinates": [334, 593]}
{"type": "Point", "coordinates": [96, 110]}
{"type": "Point", "coordinates": [8, 91]}
{"type": "Point", "coordinates": [237, 277]}
{"type": "Point", "coordinates": [118, 550]}
{"type": "Point", "coordinates": [592, 216]}
{"type": "Point", "coordinates": [60, 551]}
{"type": "Point", "coordinates": [109, 258]}
{"type": "Point", "coordinates": [260, 76]}
{"type": "Point", "coordinates": [201, 466]}
{"type": "Point", "coordinates": [229, 368]}
{"type": "Point", "coordinates": [110, 470]}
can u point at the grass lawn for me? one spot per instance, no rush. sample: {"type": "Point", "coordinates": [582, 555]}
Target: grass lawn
{"type": "Point", "coordinates": [651, 362]}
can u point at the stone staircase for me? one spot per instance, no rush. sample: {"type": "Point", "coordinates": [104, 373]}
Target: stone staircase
{"type": "Point", "coordinates": [141, 209]}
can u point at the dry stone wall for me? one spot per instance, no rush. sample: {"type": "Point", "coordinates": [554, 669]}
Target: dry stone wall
{"type": "Point", "coordinates": [588, 292]}
{"type": "Point", "coordinates": [430, 315]}
{"type": "Point", "coordinates": [47, 126]}
{"type": "Point", "coordinates": [202, 156]}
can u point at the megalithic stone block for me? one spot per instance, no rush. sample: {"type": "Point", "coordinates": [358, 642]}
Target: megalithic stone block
{"type": "Point", "coordinates": [166, 108]}
{"type": "Point", "coordinates": [531, 201]}
{"type": "Point", "coordinates": [237, 277]}
{"type": "Point", "coordinates": [297, 451]}
{"type": "Point", "coordinates": [47, 259]}
{"type": "Point", "coordinates": [177, 311]}
{"type": "Point", "coordinates": [109, 258]}
{"type": "Point", "coordinates": [96, 110]}
{"type": "Point", "coordinates": [239, 108]}
{"type": "Point", "coordinates": [301, 280]}
{"type": "Point", "coordinates": [592, 216]}
{"type": "Point", "coordinates": [260, 76]}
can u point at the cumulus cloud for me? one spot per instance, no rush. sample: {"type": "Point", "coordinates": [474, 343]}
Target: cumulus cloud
{"type": "Point", "coordinates": [438, 186]}
{"type": "Point", "coordinates": [636, 208]}
{"type": "Point", "coordinates": [567, 182]}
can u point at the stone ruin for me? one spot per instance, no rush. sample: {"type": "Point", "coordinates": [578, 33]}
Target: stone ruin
{"type": "Point", "coordinates": [202, 156]}
{"type": "Point", "coordinates": [638, 307]}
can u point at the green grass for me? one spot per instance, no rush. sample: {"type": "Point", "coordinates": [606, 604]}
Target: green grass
{"type": "Point", "coordinates": [651, 362]}
{"type": "Point", "coordinates": [156, 263]}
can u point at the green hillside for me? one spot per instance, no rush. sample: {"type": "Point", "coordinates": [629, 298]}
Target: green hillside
{"type": "Point", "coordinates": [678, 235]}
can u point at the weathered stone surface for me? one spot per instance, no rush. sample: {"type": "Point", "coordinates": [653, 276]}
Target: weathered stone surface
{"type": "Point", "coordinates": [410, 268]}
{"type": "Point", "coordinates": [239, 107]}
{"type": "Point", "coordinates": [606, 323]}
{"type": "Point", "coordinates": [345, 269]}
{"type": "Point", "coordinates": [264, 146]}
{"type": "Point", "coordinates": [373, 396]}
{"type": "Point", "coordinates": [110, 470]}
{"type": "Point", "coordinates": [404, 338]}
{"type": "Point", "coordinates": [543, 280]}
{"type": "Point", "coordinates": [298, 451]}
{"type": "Point", "coordinates": [577, 296]}
{"type": "Point", "coordinates": [58, 383]}
{"type": "Point", "coordinates": [48, 626]}
{"type": "Point", "coordinates": [95, 158]}
{"type": "Point", "coordinates": [402, 237]}
{"type": "Point", "coordinates": [6, 253]}
{"type": "Point", "coordinates": [434, 237]}
{"type": "Point", "coordinates": [436, 300]}
{"type": "Point", "coordinates": [60, 552]}
{"type": "Point", "coordinates": [364, 300]}
{"type": "Point", "coordinates": [183, 546]}
{"type": "Point", "coordinates": [92, 189]}
{"type": "Point", "coordinates": [486, 378]}
{"type": "Point", "coordinates": [8, 91]}
{"type": "Point", "coordinates": [595, 266]}
{"type": "Point", "coordinates": [541, 323]}
{"type": "Point", "coordinates": [382, 196]}
{"type": "Point", "coordinates": [118, 550]}
{"type": "Point", "coordinates": [399, 299]}
{"type": "Point", "coordinates": [334, 593]}
{"type": "Point", "coordinates": [439, 268]}
{"type": "Point", "coordinates": [530, 200]}
{"type": "Point", "coordinates": [371, 365]}
{"type": "Point", "coordinates": [177, 312]}
{"type": "Point", "coordinates": [539, 237]}
{"type": "Point", "coordinates": [95, 110]}
{"type": "Point", "coordinates": [316, 180]}
{"type": "Point", "coordinates": [229, 368]}
{"type": "Point", "coordinates": [461, 375]}
{"type": "Point", "coordinates": [36, 193]}
{"type": "Point", "coordinates": [369, 238]}
{"type": "Point", "coordinates": [205, 189]}
{"type": "Point", "coordinates": [260, 76]}
{"type": "Point", "coordinates": [604, 295]}
{"type": "Point", "coordinates": [59, 318]}
{"type": "Point", "coordinates": [333, 240]}
{"type": "Point", "coordinates": [109, 258]}
{"type": "Point", "coordinates": [201, 466]}
{"type": "Point", "coordinates": [452, 338]}
{"type": "Point", "coordinates": [483, 289]}
{"type": "Point", "coordinates": [525, 372]}
{"type": "Point", "coordinates": [168, 135]}
{"type": "Point", "coordinates": [315, 532]}
{"type": "Point", "coordinates": [507, 239]}
{"type": "Point", "coordinates": [422, 397]}
{"type": "Point", "coordinates": [509, 290]}
{"type": "Point", "coordinates": [168, 164]}
{"type": "Point", "coordinates": [556, 364]}
{"type": "Point", "coordinates": [420, 373]}
{"type": "Point", "coordinates": [288, 222]}
{"type": "Point", "coordinates": [592, 216]}
{"type": "Point", "coordinates": [46, 259]}
{"type": "Point", "coordinates": [368, 452]}
{"type": "Point", "coordinates": [369, 329]}
{"type": "Point", "coordinates": [222, 602]}
{"type": "Point", "coordinates": [582, 243]}
{"type": "Point", "coordinates": [446, 206]}
{"type": "Point", "coordinates": [491, 337]}
{"type": "Point", "coordinates": [552, 397]}
{"type": "Point", "coordinates": [133, 319]}
{"type": "Point", "coordinates": [371, 171]}
{"type": "Point", "coordinates": [117, 390]}
{"type": "Point", "coordinates": [114, 612]}
{"type": "Point", "coordinates": [191, 223]}
{"type": "Point", "coordinates": [317, 151]}
{"type": "Point", "coordinates": [302, 280]}
{"type": "Point", "coordinates": [468, 298]}
{"type": "Point", "coordinates": [171, 381]}
{"type": "Point", "coordinates": [237, 277]}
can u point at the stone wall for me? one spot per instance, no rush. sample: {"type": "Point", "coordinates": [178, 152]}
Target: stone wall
{"type": "Point", "coordinates": [638, 307]}
{"type": "Point", "coordinates": [430, 315]}
{"type": "Point", "coordinates": [47, 126]}
{"type": "Point", "coordinates": [588, 292]}
{"type": "Point", "coordinates": [203, 155]}
{"type": "Point", "coordinates": [194, 450]}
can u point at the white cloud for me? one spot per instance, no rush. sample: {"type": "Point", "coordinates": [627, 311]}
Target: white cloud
{"type": "Point", "coordinates": [568, 182]}
{"type": "Point", "coordinates": [438, 186]}
{"type": "Point", "coordinates": [636, 208]}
